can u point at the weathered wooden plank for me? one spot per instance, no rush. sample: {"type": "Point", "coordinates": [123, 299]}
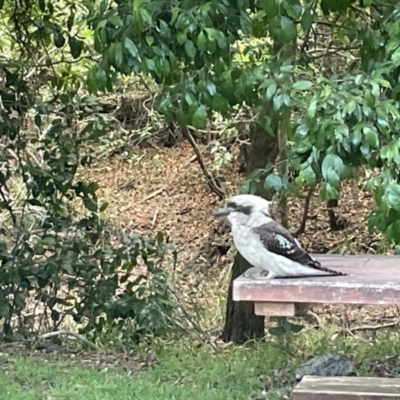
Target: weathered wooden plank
{"type": "Point", "coordinates": [346, 388]}
{"type": "Point", "coordinates": [371, 280]}
{"type": "Point", "coordinates": [275, 309]}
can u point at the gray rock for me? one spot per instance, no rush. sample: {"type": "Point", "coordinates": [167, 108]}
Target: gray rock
{"type": "Point", "coordinates": [325, 365]}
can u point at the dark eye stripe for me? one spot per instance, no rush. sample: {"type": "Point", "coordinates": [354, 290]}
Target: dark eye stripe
{"type": "Point", "coordinates": [246, 210]}
{"type": "Point", "coordinates": [231, 204]}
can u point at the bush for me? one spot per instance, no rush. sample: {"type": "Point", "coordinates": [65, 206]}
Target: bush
{"type": "Point", "coordinates": [57, 253]}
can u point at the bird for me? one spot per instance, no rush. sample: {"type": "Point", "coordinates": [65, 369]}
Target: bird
{"type": "Point", "coordinates": [264, 243]}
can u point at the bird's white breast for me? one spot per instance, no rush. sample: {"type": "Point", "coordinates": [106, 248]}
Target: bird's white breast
{"type": "Point", "coordinates": [249, 246]}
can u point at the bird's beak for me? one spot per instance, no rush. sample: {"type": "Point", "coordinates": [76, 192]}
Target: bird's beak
{"type": "Point", "coordinates": [222, 212]}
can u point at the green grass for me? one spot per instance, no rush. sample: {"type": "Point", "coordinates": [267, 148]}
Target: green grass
{"type": "Point", "coordinates": [259, 371]}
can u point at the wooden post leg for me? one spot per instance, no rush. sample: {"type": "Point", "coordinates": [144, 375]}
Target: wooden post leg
{"type": "Point", "coordinates": [275, 309]}
{"type": "Point", "coordinates": [269, 309]}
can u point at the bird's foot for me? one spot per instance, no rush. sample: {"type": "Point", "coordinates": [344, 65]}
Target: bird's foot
{"type": "Point", "coordinates": [264, 276]}
{"type": "Point", "coordinates": [260, 275]}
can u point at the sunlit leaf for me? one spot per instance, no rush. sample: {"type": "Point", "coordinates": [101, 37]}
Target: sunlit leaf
{"type": "Point", "coordinates": [273, 181]}
{"type": "Point", "coordinates": [131, 47]}
{"type": "Point", "coordinates": [302, 85]}
{"type": "Point", "coordinates": [392, 195]}
{"type": "Point", "coordinates": [190, 49]}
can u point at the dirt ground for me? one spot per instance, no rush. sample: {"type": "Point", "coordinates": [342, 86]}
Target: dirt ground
{"type": "Point", "coordinates": [164, 189]}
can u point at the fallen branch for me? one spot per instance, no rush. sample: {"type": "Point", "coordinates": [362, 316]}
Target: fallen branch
{"type": "Point", "coordinates": [69, 333]}
{"type": "Point", "coordinates": [212, 181]}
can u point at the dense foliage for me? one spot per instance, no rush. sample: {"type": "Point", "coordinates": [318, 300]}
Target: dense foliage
{"type": "Point", "coordinates": [58, 256]}
{"type": "Point", "coordinates": [331, 67]}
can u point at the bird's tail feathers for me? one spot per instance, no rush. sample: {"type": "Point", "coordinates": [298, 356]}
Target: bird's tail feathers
{"type": "Point", "coordinates": [317, 265]}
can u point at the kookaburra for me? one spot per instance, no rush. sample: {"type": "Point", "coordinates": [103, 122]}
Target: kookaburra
{"type": "Point", "coordinates": [264, 243]}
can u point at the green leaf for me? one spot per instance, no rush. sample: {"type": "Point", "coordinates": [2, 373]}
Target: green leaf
{"type": "Point", "coordinates": [302, 85]}
{"type": "Point", "coordinates": [42, 5]}
{"type": "Point", "coordinates": [371, 136]}
{"type": "Point", "coordinates": [220, 104]}
{"type": "Point", "coordinates": [103, 207]}
{"type": "Point", "coordinates": [309, 175]}
{"type": "Point", "coordinates": [190, 49]}
{"type": "Point", "coordinates": [202, 41]}
{"type": "Point", "coordinates": [38, 120]}
{"type": "Point", "coordinates": [328, 192]}
{"type": "Point", "coordinates": [59, 39]}
{"type": "Point", "coordinates": [356, 137]}
{"type": "Point", "coordinates": [199, 118]}
{"type": "Point", "coordinates": [35, 202]}
{"type": "Point", "coordinates": [181, 37]}
{"type": "Point", "coordinates": [306, 20]}
{"type": "Point", "coordinates": [293, 9]}
{"type": "Point", "coordinates": [277, 101]}
{"type": "Point", "coordinates": [286, 30]}
{"type": "Point", "coordinates": [131, 47]}
{"type": "Point", "coordinates": [189, 98]}
{"type": "Point", "coordinates": [49, 240]}
{"type": "Point", "coordinates": [273, 181]}
{"type": "Point", "coordinates": [254, 174]}
{"type": "Point", "coordinates": [328, 163]}
{"type": "Point", "coordinates": [296, 328]}
{"type": "Point", "coordinates": [119, 54]}
{"type": "Point", "coordinates": [75, 46]}
{"type": "Point", "coordinates": [392, 196]}
{"type": "Point", "coordinates": [149, 40]}
{"type": "Point", "coordinates": [276, 331]}
{"type": "Point", "coordinates": [302, 130]}
{"type": "Point", "coordinates": [160, 238]}
{"type": "Point", "coordinates": [211, 88]}
{"type": "Point", "coordinates": [5, 310]}
{"type": "Point", "coordinates": [70, 21]}
{"type": "Point", "coordinates": [90, 204]}
{"type": "Point", "coordinates": [332, 177]}
{"type": "Point", "coordinates": [312, 109]}
{"type": "Point", "coordinates": [369, 99]}
{"type": "Point", "coordinates": [271, 90]}
{"type": "Point", "coordinates": [136, 4]}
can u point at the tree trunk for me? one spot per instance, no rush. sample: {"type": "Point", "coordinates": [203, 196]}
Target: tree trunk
{"type": "Point", "coordinates": [241, 324]}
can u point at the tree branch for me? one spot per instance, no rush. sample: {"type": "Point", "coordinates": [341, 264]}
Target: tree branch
{"type": "Point", "coordinates": [302, 226]}
{"type": "Point", "coordinates": [212, 181]}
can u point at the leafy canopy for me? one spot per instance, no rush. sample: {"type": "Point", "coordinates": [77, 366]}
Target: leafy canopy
{"type": "Point", "coordinates": [343, 101]}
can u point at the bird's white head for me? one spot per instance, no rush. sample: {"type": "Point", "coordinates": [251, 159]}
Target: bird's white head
{"type": "Point", "coordinates": [245, 209]}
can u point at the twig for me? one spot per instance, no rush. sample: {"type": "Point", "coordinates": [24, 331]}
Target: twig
{"type": "Point", "coordinates": [69, 333]}
{"type": "Point", "coordinates": [7, 203]}
{"type": "Point", "coordinates": [153, 223]}
{"type": "Point", "coordinates": [154, 194]}
{"type": "Point", "coordinates": [373, 327]}
{"type": "Point", "coordinates": [191, 159]}
{"type": "Point", "coordinates": [316, 317]}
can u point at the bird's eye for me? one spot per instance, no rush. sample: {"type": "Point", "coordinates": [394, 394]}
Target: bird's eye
{"type": "Point", "coordinates": [233, 205]}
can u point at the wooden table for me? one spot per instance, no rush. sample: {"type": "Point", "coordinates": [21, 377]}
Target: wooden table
{"type": "Point", "coordinates": [370, 280]}
{"type": "Point", "coordinates": [347, 388]}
